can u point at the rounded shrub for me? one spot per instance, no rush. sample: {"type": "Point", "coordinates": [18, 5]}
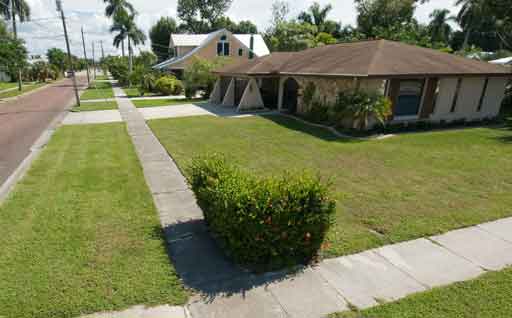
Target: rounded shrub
{"type": "Point", "coordinates": [262, 223]}
{"type": "Point", "coordinates": [168, 85]}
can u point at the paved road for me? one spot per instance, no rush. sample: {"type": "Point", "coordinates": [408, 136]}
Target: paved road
{"type": "Point", "coordinates": [23, 120]}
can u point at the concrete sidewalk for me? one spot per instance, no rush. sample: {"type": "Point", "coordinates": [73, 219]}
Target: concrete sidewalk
{"type": "Point", "coordinates": [362, 280]}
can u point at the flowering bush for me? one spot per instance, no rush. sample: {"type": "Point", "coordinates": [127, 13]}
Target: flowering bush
{"type": "Point", "coordinates": [262, 223]}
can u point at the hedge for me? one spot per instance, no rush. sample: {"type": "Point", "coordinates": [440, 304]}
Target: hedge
{"type": "Point", "coordinates": [262, 223]}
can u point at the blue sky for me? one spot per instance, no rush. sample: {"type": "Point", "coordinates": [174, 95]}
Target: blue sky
{"type": "Point", "coordinates": [45, 30]}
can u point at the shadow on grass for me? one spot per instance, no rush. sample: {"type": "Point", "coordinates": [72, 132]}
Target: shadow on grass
{"type": "Point", "coordinates": [203, 267]}
{"type": "Point", "coordinates": [318, 132]}
{"type": "Point", "coordinates": [507, 129]}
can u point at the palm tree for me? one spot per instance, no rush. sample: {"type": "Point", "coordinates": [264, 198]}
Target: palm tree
{"type": "Point", "coordinates": [118, 7]}
{"type": "Point", "coordinates": [469, 16]}
{"type": "Point", "coordinates": [316, 15]}
{"type": "Point", "coordinates": [119, 26]}
{"type": "Point", "coordinates": [125, 25]}
{"type": "Point", "coordinates": [12, 8]}
{"type": "Point", "coordinates": [439, 27]}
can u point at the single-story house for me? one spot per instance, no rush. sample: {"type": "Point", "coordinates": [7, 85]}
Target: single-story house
{"type": "Point", "coordinates": [423, 84]}
{"type": "Point", "coordinates": [187, 47]}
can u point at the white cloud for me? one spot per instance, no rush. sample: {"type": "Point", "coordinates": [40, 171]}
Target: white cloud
{"type": "Point", "coordinates": [45, 31]}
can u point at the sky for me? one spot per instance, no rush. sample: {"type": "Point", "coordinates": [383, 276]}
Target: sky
{"type": "Point", "coordinates": [45, 29]}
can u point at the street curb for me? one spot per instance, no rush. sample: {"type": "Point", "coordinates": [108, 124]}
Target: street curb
{"type": "Point", "coordinates": [36, 148]}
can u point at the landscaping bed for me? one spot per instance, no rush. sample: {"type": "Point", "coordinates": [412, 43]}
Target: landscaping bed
{"type": "Point", "coordinates": [141, 103]}
{"type": "Point", "coordinates": [98, 90]}
{"type": "Point", "coordinates": [80, 233]}
{"type": "Point", "coordinates": [387, 191]}
{"type": "Point", "coordinates": [485, 297]}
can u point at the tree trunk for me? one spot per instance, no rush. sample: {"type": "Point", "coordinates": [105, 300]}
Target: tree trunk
{"type": "Point", "coordinates": [466, 39]}
{"type": "Point", "coordinates": [15, 32]}
{"type": "Point", "coordinates": [13, 16]}
{"type": "Point", "coordinates": [130, 62]}
{"type": "Point", "coordinates": [122, 48]}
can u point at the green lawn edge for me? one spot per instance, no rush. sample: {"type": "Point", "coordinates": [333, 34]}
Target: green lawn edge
{"type": "Point", "coordinates": [488, 296]}
{"type": "Point", "coordinates": [80, 232]}
{"type": "Point", "coordinates": [144, 103]}
{"type": "Point", "coordinates": [387, 191]}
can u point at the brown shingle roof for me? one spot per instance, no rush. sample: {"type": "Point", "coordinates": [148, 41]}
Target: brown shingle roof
{"type": "Point", "coordinates": [379, 58]}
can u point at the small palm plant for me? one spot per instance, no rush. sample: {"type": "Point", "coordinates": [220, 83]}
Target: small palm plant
{"type": "Point", "coordinates": [361, 107]}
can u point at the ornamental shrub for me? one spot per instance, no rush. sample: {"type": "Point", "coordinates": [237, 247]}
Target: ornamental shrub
{"type": "Point", "coordinates": [168, 85]}
{"type": "Point", "coordinates": [262, 223]}
{"type": "Point", "coordinates": [361, 106]}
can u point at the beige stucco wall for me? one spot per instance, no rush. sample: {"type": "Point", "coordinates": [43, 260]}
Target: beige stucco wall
{"type": "Point", "coordinates": [494, 97]}
{"type": "Point", "coordinates": [327, 89]}
{"type": "Point", "coordinates": [209, 52]}
{"type": "Point", "coordinates": [469, 96]}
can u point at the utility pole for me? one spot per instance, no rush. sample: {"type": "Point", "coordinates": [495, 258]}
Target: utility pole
{"type": "Point", "coordinates": [15, 31]}
{"type": "Point", "coordinates": [85, 56]}
{"type": "Point", "coordinates": [102, 57]}
{"type": "Point", "coordinates": [59, 8]}
{"type": "Point", "coordinates": [93, 60]}
{"type": "Point", "coordinates": [102, 52]}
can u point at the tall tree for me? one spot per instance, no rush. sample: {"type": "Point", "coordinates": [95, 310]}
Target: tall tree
{"type": "Point", "coordinates": [440, 29]}
{"type": "Point", "coordinates": [119, 27]}
{"type": "Point", "coordinates": [116, 8]}
{"type": "Point", "coordinates": [125, 26]}
{"type": "Point", "coordinates": [384, 14]}
{"type": "Point", "coordinates": [58, 58]}
{"type": "Point", "coordinates": [316, 15]}
{"type": "Point", "coordinates": [160, 36]}
{"type": "Point", "coordinates": [201, 15]}
{"type": "Point", "coordinates": [12, 8]}
{"type": "Point", "coordinates": [243, 27]}
{"type": "Point", "coordinates": [470, 16]}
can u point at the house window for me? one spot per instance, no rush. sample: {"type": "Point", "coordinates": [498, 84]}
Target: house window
{"type": "Point", "coordinates": [223, 46]}
{"type": "Point", "coordinates": [484, 90]}
{"type": "Point", "coordinates": [240, 52]}
{"type": "Point", "coordinates": [409, 98]}
{"type": "Point", "coordinates": [456, 96]}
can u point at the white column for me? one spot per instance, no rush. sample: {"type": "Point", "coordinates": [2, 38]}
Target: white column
{"type": "Point", "coordinates": [281, 93]}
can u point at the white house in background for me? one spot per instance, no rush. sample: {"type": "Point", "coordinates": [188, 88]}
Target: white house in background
{"type": "Point", "coordinates": [188, 47]}
{"type": "Point", "coordinates": [4, 77]}
{"type": "Point", "coordinates": [503, 61]}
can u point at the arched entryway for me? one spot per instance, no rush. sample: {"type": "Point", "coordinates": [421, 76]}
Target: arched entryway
{"type": "Point", "coordinates": [290, 95]}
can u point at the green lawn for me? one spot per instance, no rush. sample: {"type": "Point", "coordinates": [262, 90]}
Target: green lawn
{"type": "Point", "coordinates": [80, 234]}
{"type": "Point", "coordinates": [102, 77]}
{"type": "Point", "coordinates": [25, 89]}
{"type": "Point", "coordinates": [7, 85]}
{"type": "Point", "coordinates": [165, 102]}
{"type": "Point", "coordinates": [86, 106]}
{"type": "Point", "coordinates": [388, 191]}
{"type": "Point", "coordinates": [98, 90]}
{"type": "Point", "coordinates": [134, 92]}
{"type": "Point", "coordinates": [489, 296]}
